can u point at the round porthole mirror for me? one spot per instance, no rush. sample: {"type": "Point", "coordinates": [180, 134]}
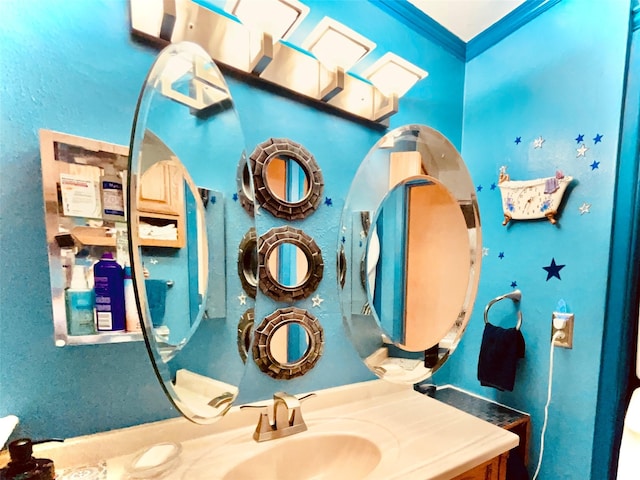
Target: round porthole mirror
{"type": "Point", "coordinates": [245, 187]}
{"type": "Point", "coordinates": [288, 343]}
{"type": "Point", "coordinates": [248, 262]}
{"type": "Point", "coordinates": [287, 180]}
{"type": "Point", "coordinates": [245, 330]}
{"type": "Point", "coordinates": [290, 264]}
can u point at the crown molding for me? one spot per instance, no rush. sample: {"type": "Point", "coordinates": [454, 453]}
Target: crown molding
{"type": "Point", "coordinates": [417, 20]}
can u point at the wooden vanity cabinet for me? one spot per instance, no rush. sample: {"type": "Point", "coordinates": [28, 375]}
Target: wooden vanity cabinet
{"type": "Point", "coordinates": [494, 469]}
{"type": "Point", "coordinates": [161, 201]}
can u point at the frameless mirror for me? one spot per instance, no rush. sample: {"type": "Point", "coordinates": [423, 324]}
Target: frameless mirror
{"type": "Point", "coordinates": [411, 245]}
{"type": "Point", "coordinates": [185, 143]}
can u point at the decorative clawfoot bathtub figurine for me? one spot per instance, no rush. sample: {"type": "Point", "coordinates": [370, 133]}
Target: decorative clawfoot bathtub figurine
{"type": "Point", "coordinates": [532, 199]}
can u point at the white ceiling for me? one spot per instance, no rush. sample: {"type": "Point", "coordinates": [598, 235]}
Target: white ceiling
{"type": "Point", "coordinates": [466, 18]}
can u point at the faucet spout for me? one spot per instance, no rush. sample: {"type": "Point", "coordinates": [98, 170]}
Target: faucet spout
{"type": "Point", "coordinates": [287, 418]}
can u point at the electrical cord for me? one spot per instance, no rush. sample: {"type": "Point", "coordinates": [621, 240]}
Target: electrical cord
{"type": "Point", "coordinates": [558, 335]}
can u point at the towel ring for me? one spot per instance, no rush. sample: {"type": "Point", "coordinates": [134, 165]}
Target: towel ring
{"type": "Point", "coordinates": [516, 295]}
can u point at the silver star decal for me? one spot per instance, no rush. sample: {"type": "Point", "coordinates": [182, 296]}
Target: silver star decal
{"type": "Point", "coordinates": [584, 208]}
{"type": "Point", "coordinates": [581, 151]}
{"type": "Point", "coordinates": [243, 299]}
{"type": "Point", "coordinates": [317, 300]}
{"type": "Point", "coordinates": [485, 252]}
{"type": "Point", "coordinates": [537, 143]}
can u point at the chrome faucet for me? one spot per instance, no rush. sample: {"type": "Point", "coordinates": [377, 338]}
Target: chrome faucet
{"type": "Point", "coordinates": [287, 417]}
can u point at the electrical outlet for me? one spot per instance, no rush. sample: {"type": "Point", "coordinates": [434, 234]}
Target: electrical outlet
{"type": "Point", "coordinates": [562, 322]}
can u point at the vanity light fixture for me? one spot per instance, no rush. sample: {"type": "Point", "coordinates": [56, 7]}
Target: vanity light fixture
{"type": "Point", "coordinates": [336, 45]}
{"type": "Point", "coordinates": [392, 74]}
{"type": "Point", "coordinates": [278, 18]}
{"type": "Point", "coordinates": [248, 37]}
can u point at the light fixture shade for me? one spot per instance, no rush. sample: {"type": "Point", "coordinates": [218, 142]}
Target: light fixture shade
{"type": "Point", "coordinates": [392, 74]}
{"type": "Point", "coordinates": [336, 45]}
{"type": "Point", "coordinates": [278, 18]}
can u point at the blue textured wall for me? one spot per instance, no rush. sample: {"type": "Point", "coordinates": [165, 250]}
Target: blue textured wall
{"type": "Point", "coordinates": [72, 67]}
{"type": "Point", "coordinates": [558, 77]}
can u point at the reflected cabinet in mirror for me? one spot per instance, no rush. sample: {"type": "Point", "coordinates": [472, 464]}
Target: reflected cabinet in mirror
{"type": "Point", "coordinates": [185, 144]}
{"type": "Point", "coordinates": [407, 290]}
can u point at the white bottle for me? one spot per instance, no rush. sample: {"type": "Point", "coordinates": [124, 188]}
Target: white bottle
{"type": "Point", "coordinates": [112, 193]}
{"type": "Point", "coordinates": [132, 320]}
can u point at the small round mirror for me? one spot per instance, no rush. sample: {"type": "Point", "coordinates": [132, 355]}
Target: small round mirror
{"type": "Point", "coordinates": [288, 343]}
{"type": "Point", "coordinates": [248, 262]}
{"type": "Point", "coordinates": [290, 264]}
{"type": "Point", "coordinates": [287, 180]}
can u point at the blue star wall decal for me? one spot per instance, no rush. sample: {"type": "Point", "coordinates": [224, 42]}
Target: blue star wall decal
{"type": "Point", "coordinates": [518, 140]}
{"type": "Point", "coordinates": [343, 239]}
{"type": "Point", "coordinates": [501, 255]}
{"type": "Point", "coordinates": [580, 138]}
{"type": "Point", "coordinates": [328, 202]}
{"type": "Point", "coordinates": [493, 186]}
{"type": "Point", "coordinates": [479, 188]}
{"type": "Point", "coordinates": [553, 270]}
{"type": "Point", "coordinates": [235, 197]}
{"type": "Point", "coordinates": [514, 284]}
{"type": "Point", "coordinates": [594, 165]}
{"type": "Point", "coordinates": [212, 199]}
{"type": "Point", "coordinates": [597, 138]}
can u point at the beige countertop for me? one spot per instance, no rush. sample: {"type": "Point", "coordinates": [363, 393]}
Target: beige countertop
{"type": "Point", "coordinates": [419, 437]}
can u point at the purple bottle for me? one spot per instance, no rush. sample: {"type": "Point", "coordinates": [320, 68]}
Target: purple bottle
{"type": "Point", "coordinates": [109, 289]}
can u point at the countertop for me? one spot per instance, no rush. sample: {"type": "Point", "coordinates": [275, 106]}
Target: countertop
{"type": "Point", "coordinates": [420, 437]}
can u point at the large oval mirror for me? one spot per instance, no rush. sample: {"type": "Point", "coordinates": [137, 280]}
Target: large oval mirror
{"type": "Point", "coordinates": [185, 143]}
{"type": "Point", "coordinates": [412, 268]}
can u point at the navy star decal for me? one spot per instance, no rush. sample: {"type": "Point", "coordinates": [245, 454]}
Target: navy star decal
{"type": "Point", "coordinates": [597, 138]}
{"type": "Point", "coordinates": [580, 138]}
{"type": "Point", "coordinates": [553, 270]}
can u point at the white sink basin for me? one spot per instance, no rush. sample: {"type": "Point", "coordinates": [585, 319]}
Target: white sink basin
{"type": "Point", "coordinates": [331, 448]}
{"type": "Point", "coordinates": [318, 456]}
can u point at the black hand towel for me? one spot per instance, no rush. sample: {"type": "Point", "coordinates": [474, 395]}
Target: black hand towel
{"type": "Point", "coordinates": [499, 353]}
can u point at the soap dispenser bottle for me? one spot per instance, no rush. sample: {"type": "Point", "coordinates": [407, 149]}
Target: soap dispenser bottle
{"type": "Point", "coordinates": [23, 466]}
{"type": "Point", "coordinates": [79, 304]}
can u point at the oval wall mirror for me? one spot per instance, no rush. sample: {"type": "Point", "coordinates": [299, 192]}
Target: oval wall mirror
{"type": "Point", "coordinates": [185, 142]}
{"type": "Point", "coordinates": [287, 180]}
{"type": "Point", "coordinates": [411, 283]}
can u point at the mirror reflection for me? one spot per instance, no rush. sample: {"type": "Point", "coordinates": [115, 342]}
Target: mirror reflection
{"type": "Point", "coordinates": [411, 238]}
{"type": "Point", "coordinates": [288, 265]}
{"type": "Point", "coordinates": [286, 179]}
{"type": "Point", "coordinates": [184, 148]}
{"type": "Point", "coordinates": [289, 343]}
{"type": "Point", "coordinates": [422, 223]}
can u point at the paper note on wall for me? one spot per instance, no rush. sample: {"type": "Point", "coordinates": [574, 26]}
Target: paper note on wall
{"type": "Point", "coordinates": [79, 196]}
